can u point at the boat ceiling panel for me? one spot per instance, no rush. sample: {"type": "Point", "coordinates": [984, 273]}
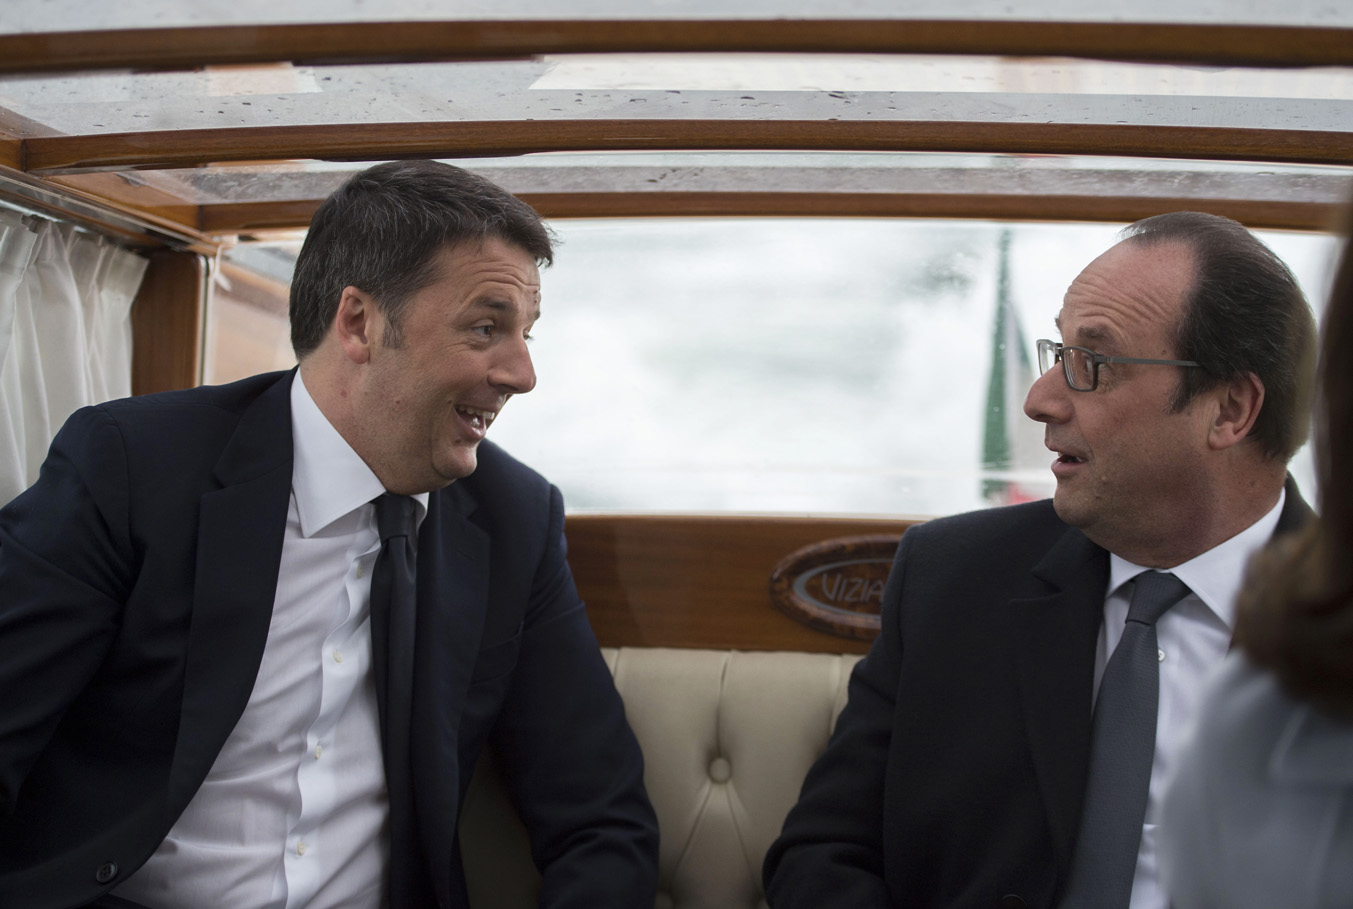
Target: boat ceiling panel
{"type": "Point", "coordinates": [666, 86]}
{"type": "Point", "coordinates": [836, 112]}
{"type": "Point", "coordinates": [280, 196]}
{"type": "Point", "coordinates": [645, 102]}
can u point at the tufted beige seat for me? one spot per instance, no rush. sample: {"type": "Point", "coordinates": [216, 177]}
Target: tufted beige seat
{"type": "Point", "coordinates": [727, 738]}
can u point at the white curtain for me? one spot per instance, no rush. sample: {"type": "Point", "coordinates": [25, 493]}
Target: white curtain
{"type": "Point", "coordinates": [65, 334]}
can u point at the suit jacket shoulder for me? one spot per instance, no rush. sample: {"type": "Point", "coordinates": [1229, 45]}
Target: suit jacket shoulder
{"type": "Point", "coordinates": [943, 750]}
{"type": "Point", "coordinates": [501, 482]}
{"type": "Point", "coordinates": [1010, 532]}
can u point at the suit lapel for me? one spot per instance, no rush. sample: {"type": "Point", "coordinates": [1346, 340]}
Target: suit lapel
{"type": "Point", "coordinates": [239, 549]}
{"type": "Point", "coordinates": [453, 587]}
{"type": "Point", "coordinates": [1053, 634]}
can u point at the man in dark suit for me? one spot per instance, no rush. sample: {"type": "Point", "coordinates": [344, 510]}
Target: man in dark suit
{"type": "Point", "coordinates": [982, 757]}
{"type": "Point", "coordinates": [204, 665]}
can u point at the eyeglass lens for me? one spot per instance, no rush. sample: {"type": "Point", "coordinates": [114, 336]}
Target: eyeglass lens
{"type": "Point", "coordinates": [1080, 368]}
{"type": "Point", "coordinates": [1078, 365]}
{"type": "Point", "coordinates": [1047, 356]}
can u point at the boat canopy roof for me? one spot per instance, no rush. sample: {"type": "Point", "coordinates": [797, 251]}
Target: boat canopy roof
{"type": "Point", "coordinates": [199, 123]}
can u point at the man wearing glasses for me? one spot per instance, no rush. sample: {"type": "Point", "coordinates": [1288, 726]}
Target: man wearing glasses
{"type": "Point", "coordinates": [1006, 739]}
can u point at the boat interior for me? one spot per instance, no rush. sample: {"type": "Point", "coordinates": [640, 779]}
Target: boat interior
{"type": "Point", "coordinates": [662, 141]}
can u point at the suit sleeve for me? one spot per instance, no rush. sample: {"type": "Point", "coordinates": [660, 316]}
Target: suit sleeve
{"type": "Point", "coordinates": [64, 575]}
{"type": "Point", "coordinates": [830, 851]}
{"type": "Point", "coordinates": [573, 765]}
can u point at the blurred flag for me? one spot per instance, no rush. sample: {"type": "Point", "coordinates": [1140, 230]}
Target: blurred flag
{"type": "Point", "coordinates": [1014, 460]}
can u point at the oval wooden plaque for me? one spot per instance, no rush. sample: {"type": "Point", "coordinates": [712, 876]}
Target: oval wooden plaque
{"type": "Point", "coordinates": [836, 586]}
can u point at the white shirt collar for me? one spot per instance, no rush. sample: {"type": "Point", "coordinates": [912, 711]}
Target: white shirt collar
{"type": "Point", "coordinates": [1216, 575]}
{"type": "Point", "coordinates": [328, 478]}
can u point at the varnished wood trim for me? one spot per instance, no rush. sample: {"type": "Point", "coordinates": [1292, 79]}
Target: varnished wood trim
{"type": "Point", "coordinates": [167, 320]}
{"type": "Point", "coordinates": [248, 217]}
{"type": "Point", "coordinates": [699, 581]}
{"type": "Point", "coordinates": [1257, 214]}
{"type": "Point", "coordinates": [1001, 188]}
{"type": "Point", "coordinates": [11, 153]}
{"type": "Point", "coordinates": [129, 225]}
{"type": "Point", "coordinates": [371, 42]}
{"type": "Point", "coordinates": [146, 202]}
{"type": "Point", "coordinates": [382, 141]}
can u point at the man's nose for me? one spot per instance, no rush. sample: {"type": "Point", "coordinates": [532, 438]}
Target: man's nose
{"type": "Point", "coordinates": [514, 372]}
{"type": "Point", "coordinates": [1049, 398]}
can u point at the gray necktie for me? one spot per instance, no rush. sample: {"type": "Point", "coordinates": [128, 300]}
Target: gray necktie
{"type": "Point", "coordinates": [1122, 748]}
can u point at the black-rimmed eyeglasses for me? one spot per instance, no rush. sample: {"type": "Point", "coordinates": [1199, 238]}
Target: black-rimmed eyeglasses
{"type": "Point", "coordinates": [1081, 364]}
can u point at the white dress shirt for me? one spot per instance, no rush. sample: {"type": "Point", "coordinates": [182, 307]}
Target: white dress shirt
{"type": "Point", "coordinates": [1193, 637]}
{"type": "Point", "coordinates": [293, 811]}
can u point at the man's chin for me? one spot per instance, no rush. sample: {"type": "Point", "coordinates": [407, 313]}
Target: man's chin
{"type": "Point", "coordinates": [1069, 507]}
{"type": "Point", "coordinates": [460, 464]}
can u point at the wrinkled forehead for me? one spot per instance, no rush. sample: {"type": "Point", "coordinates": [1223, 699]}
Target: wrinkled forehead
{"type": "Point", "coordinates": [1134, 293]}
{"type": "Point", "coordinates": [488, 263]}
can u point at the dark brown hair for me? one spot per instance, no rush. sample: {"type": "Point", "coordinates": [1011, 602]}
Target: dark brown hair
{"type": "Point", "coordinates": [382, 231]}
{"type": "Point", "coordinates": [1295, 613]}
{"type": "Point", "coordinates": [1244, 314]}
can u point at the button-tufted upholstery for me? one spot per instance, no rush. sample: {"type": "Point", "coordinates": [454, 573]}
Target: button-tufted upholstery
{"type": "Point", "coordinates": [727, 738]}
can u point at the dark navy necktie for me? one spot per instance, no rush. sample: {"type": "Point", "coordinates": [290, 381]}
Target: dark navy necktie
{"type": "Point", "coordinates": [393, 612]}
{"type": "Point", "coordinates": [1122, 749]}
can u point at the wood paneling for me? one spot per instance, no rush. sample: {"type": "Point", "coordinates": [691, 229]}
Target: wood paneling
{"type": "Point", "coordinates": [370, 42]}
{"type": "Point", "coordinates": [245, 218]}
{"type": "Point", "coordinates": [147, 228]}
{"type": "Point", "coordinates": [995, 188]}
{"type": "Point", "coordinates": [382, 141]}
{"type": "Point", "coordinates": [699, 581]}
{"type": "Point", "coordinates": [128, 196]}
{"type": "Point", "coordinates": [11, 152]}
{"type": "Point", "coordinates": [167, 323]}
{"type": "Point", "coordinates": [1256, 214]}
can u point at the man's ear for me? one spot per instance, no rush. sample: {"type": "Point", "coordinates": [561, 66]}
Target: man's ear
{"type": "Point", "coordinates": [1239, 402]}
{"type": "Point", "coordinates": [355, 324]}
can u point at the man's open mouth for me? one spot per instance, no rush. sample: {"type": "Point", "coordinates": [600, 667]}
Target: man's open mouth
{"type": "Point", "coordinates": [479, 419]}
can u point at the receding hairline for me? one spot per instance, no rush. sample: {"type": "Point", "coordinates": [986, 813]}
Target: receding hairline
{"type": "Point", "coordinates": [1187, 292]}
{"type": "Point", "coordinates": [438, 261]}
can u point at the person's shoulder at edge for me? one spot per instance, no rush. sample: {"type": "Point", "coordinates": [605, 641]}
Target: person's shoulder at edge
{"type": "Point", "coordinates": [230, 396]}
{"type": "Point", "coordinates": [1252, 808]}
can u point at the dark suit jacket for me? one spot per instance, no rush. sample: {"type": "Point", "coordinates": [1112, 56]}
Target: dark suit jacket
{"type": "Point", "coordinates": [136, 585]}
{"type": "Point", "coordinates": [956, 772]}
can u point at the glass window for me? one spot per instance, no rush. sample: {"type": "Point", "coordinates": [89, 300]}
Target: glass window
{"type": "Point", "coordinates": [847, 366]}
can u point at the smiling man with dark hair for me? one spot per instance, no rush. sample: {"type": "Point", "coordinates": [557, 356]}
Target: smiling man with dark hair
{"type": "Point", "coordinates": [255, 637]}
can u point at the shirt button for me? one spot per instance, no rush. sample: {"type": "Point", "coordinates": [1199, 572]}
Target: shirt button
{"type": "Point", "coordinates": [1160, 656]}
{"type": "Point", "coordinates": [319, 749]}
{"type": "Point", "coordinates": [300, 848]}
{"type": "Point", "coordinates": [338, 656]}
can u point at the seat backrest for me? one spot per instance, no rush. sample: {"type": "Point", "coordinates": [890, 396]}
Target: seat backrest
{"type": "Point", "coordinates": [727, 738]}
